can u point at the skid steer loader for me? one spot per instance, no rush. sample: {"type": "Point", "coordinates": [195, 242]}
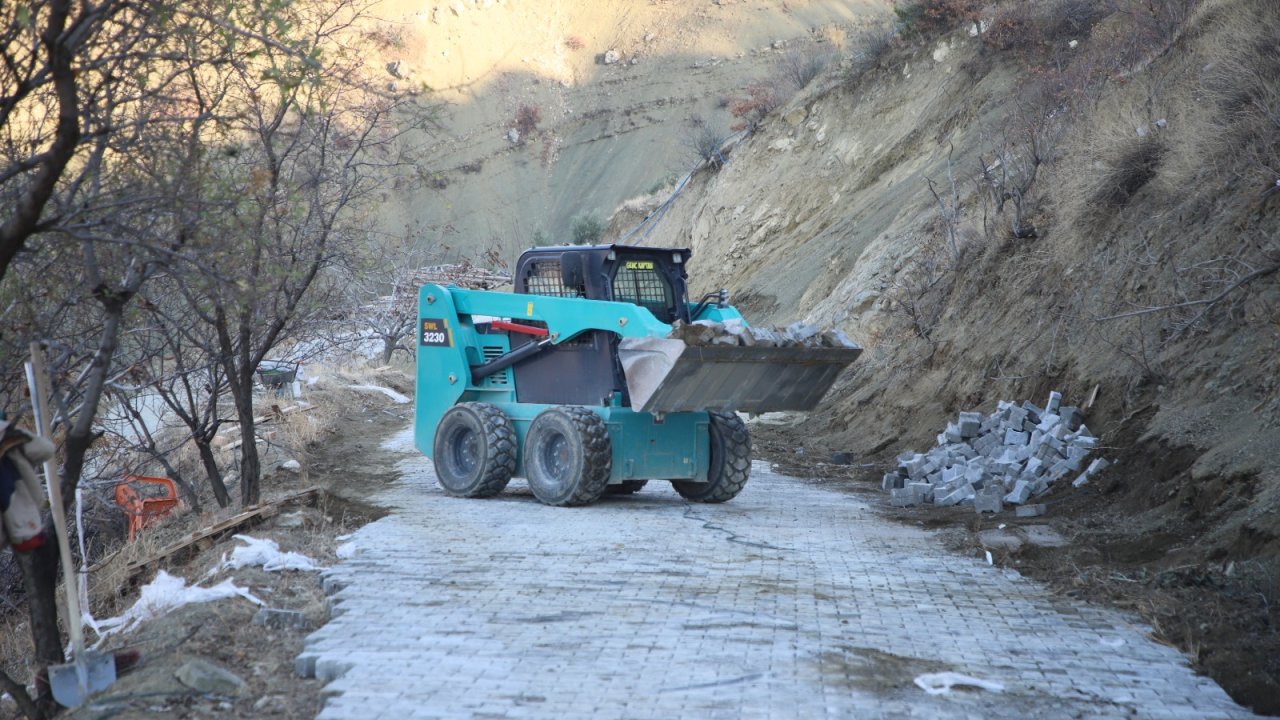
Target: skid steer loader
{"type": "Point", "coordinates": [572, 382]}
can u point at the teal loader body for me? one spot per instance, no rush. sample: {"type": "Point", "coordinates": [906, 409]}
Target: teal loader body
{"type": "Point", "coordinates": [532, 383]}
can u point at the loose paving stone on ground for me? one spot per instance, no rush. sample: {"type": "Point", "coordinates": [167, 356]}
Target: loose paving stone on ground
{"type": "Point", "coordinates": [791, 601]}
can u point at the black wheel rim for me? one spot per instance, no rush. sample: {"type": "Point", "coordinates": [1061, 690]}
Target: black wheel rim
{"type": "Point", "coordinates": [464, 451]}
{"type": "Point", "coordinates": [556, 460]}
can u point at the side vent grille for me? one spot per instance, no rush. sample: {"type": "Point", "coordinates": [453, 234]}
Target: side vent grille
{"type": "Point", "coordinates": [498, 379]}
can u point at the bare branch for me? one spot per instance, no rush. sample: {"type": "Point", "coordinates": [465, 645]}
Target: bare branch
{"type": "Point", "coordinates": [1210, 302]}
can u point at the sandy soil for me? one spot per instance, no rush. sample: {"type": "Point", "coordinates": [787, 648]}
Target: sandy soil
{"type": "Point", "coordinates": [605, 133]}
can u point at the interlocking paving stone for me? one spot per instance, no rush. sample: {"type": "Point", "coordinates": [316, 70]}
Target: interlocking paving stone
{"type": "Point", "coordinates": [791, 601]}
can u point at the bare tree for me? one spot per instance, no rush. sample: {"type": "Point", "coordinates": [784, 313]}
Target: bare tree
{"type": "Point", "coordinates": [1026, 141]}
{"type": "Point", "coordinates": [86, 87]}
{"type": "Point", "coordinates": [173, 372]}
{"type": "Point", "coordinates": [383, 294]}
{"type": "Point", "coordinates": [310, 151]}
{"type": "Point", "coordinates": [949, 209]}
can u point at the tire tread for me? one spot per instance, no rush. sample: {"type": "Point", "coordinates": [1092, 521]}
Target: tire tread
{"type": "Point", "coordinates": [500, 444]}
{"type": "Point", "coordinates": [735, 468]}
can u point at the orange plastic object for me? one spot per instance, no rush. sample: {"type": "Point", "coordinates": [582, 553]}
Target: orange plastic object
{"type": "Point", "coordinates": [143, 502]}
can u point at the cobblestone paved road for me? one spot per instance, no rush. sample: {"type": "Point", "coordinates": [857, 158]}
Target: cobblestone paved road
{"type": "Point", "coordinates": [792, 601]}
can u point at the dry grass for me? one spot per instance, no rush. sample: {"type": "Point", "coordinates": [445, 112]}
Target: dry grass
{"type": "Point", "coordinates": [1243, 85]}
{"type": "Point", "coordinates": [1104, 166]}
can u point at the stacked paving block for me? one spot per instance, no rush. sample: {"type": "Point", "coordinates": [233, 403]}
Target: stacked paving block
{"type": "Point", "coordinates": [1010, 456]}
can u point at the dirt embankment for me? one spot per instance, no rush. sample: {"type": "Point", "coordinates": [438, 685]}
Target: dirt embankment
{"type": "Point", "coordinates": [1150, 275]}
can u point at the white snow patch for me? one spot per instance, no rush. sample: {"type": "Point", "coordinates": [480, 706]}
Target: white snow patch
{"type": "Point", "coordinates": [1114, 642]}
{"type": "Point", "coordinates": [167, 593]}
{"type": "Point", "coordinates": [347, 550]}
{"type": "Point", "coordinates": [989, 559]}
{"type": "Point", "coordinates": [941, 683]}
{"type": "Point", "coordinates": [392, 394]}
{"type": "Point", "coordinates": [401, 441]}
{"type": "Point", "coordinates": [291, 465]}
{"type": "Point", "coordinates": [266, 553]}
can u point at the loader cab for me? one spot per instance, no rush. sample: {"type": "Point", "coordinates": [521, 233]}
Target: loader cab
{"type": "Point", "coordinates": [653, 278]}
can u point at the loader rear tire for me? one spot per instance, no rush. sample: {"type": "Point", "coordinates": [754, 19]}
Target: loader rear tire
{"type": "Point", "coordinates": [474, 450]}
{"type": "Point", "coordinates": [730, 462]}
{"type": "Point", "coordinates": [568, 456]}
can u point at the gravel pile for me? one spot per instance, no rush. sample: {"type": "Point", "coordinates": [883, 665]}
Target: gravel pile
{"type": "Point", "coordinates": [702, 333]}
{"type": "Point", "coordinates": [1010, 456]}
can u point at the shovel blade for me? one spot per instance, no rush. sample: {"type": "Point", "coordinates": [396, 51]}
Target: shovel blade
{"type": "Point", "coordinates": [74, 682]}
{"type": "Point", "coordinates": [665, 375]}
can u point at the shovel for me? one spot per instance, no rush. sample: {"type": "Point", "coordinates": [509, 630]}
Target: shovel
{"type": "Point", "coordinates": [665, 375]}
{"type": "Point", "coordinates": [89, 672]}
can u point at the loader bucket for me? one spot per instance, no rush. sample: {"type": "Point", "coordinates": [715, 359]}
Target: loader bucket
{"type": "Point", "coordinates": [666, 375]}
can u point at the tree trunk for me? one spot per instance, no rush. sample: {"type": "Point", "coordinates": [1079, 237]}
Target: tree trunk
{"type": "Point", "coordinates": [19, 694]}
{"type": "Point", "coordinates": [250, 470]}
{"type": "Point", "coordinates": [211, 469]}
{"type": "Point", "coordinates": [40, 578]}
{"type": "Point", "coordinates": [188, 491]}
{"type": "Point", "coordinates": [389, 345]}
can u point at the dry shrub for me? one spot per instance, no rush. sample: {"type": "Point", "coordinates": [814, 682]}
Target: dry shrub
{"type": "Point", "coordinates": [1158, 22]}
{"type": "Point", "coordinates": [799, 66]}
{"type": "Point", "coordinates": [762, 97]}
{"type": "Point", "coordinates": [1107, 158]}
{"type": "Point", "coordinates": [1127, 167]}
{"type": "Point", "coordinates": [917, 295]}
{"type": "Point", "coordinates": [1034, 28]}
{"type": "Point", "coordinates": [1013, 28]}
{"type": "Point", "coordinates": [527, 119]}
{"type": "Point", "coordinates": [934, 17]}
{"type": "Point", "coordinates": [703, 142]}
{"type": "Point", "coordinates": [1070, 19]}
{"type": "Point", "coordinates": [871, 46]}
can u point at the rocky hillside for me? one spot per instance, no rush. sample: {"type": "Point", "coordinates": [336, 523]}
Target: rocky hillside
{"type": "Point", "coordinates": [1142, 150]}
{"type": "Point", "coordinates": [1150, 271]}
{"type": "Point", "coordinates": [552, 110]}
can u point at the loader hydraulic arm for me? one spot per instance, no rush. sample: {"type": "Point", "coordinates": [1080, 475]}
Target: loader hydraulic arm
{"type": "Point", "coordinates": [565, 317]}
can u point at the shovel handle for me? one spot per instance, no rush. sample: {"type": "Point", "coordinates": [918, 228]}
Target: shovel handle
{"type": "Point", "coordinates": [38, 382]}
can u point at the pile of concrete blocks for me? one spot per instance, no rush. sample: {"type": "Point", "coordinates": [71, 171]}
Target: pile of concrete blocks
{"type": "Point", "coordinates": [1010, 456]}
{"type": "Point", "coordinates": [735, 332]}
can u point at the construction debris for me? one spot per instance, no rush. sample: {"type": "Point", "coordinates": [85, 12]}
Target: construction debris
{"type": "Point", "coordinates": [735, 332]}
{"type": "Point", "coordinates": [1011, 456]}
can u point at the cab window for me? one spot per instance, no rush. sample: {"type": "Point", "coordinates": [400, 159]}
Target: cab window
{"type": "Point", "coordinates": [641, 283]}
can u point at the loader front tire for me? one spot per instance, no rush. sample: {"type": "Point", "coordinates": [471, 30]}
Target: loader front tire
{"type": "Point", "coordinates": [474, 450]}
{"type": "Point", "coordinates": [730, 462]}
{"type": "Point", "coordinates": [568, 456]}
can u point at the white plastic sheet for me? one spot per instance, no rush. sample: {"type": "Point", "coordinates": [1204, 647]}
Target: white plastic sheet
{"type": "Point", "coordinates": [264, 553]}
{"type": "Point", "coordinates": [941, 683]}
{"type": "Point", "coordinates": [167, 593]}
{"type": "Point", "coordinates": [392, 394]}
